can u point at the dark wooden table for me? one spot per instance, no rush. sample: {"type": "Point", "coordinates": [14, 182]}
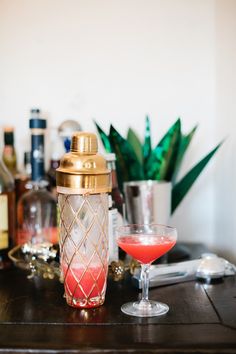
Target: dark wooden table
{"type": "Point", "coordinates": [34, 318]}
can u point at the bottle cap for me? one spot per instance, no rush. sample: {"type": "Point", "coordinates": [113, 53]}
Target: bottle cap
{"type": "Point", "coordinates": [8, 129]}
{"type": "Point", "coordinates": [35, 110]}
{"type": "Point", "coordinates": [83, 170]}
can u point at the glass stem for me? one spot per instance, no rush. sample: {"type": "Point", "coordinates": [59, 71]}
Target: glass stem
{"type": "Point", "coordinates": [145, 281]}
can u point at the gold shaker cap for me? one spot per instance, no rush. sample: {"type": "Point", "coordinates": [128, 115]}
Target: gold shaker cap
{"type": "Point", "coordinates": [83, 170]}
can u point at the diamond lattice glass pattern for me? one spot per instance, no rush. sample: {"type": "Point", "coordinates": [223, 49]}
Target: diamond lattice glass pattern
{"type": "Point", "coordinates": [84, 248]}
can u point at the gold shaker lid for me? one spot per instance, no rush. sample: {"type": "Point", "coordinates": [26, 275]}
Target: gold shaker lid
{"type": "Point", "coordinates": [83, 170]}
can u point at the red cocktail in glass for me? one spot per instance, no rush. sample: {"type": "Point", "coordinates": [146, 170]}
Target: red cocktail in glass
{"type": "Point", "coordinates": [146, 243]}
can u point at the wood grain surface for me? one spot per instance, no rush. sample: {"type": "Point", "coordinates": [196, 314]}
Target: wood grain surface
{"type": "Point", "coordinates": [34, 318]}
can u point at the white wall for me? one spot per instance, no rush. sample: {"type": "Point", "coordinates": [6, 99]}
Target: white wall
{"type": "Point", "coordinates": [118, 60]}
{"type": "Point", "coordinates": [225, 103]}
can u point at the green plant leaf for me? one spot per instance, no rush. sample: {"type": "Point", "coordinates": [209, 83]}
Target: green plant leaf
{"type": "Point", "coordinates": [151, 158]}
{"type": "Point", "coordinates": [181, 188]}
{"type": "Point", "coordinates": [134, 141]}
{"type": "Point", "coordinates": [161, 164]}
{"type": "Point", "coordinates": [104, 138]}
{"type": "Point", "coordinates": [153, 163]}
{"type": "Point", "coordinates": [184, 143]}
{"type": "Point", "coordinates": [170, 143]}
{"type": "Point", "coordinates": [127, 164]}
{"type": "Point", "coordinates": [147, 145]}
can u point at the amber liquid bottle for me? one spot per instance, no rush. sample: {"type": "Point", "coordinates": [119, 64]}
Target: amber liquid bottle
{"type": "Point", "coordinates": [7, 215]}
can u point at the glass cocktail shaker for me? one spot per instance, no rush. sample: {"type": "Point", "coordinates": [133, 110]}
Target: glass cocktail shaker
{"type": "Point", "coordinates": [83, 183]}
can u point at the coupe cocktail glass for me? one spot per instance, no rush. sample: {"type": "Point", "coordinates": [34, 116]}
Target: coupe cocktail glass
{"type": "Point", "coordinates": [146, 243]}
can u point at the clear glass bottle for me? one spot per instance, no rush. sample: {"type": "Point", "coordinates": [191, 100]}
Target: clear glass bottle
{"type": "Point", "coordinates": [22, 179]}
{"type": "Point", "coordinates": [9, 153]}
{"type": "Point", "coordinates": [7, 215]}
{"type": "Point", "coordinates": [83, 183]}
{"type": "Point", "coordinates": [37, 209]}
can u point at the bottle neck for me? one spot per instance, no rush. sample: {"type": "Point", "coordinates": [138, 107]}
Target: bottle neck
{"type": "Point", "coordinates": [27, 163]}
{"type": "Point", "coordinates": [54, 164]}
{"type": "Point", "coordinates": [37, 156]}
{"type": "Point", "coordinates": [6, 179]}
{"type": "Point", "coordinates": [9, 139]}
{"type": "Point", "coordinates": [112, 166]}
{"type": "Point", "coordinates": [114, 179]}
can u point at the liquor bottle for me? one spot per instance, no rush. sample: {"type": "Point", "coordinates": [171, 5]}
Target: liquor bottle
{"type": "Point", "coordinates": [117, 197]}
{"type": "Point", "coordinates": [37, 209]}
{"type": "Point", "coordinates": [22, 179]}
{"type": "Point", "coordinates": [7, 215]}
{"type": "Point", "coordinates": [116, 211]}
{"type": "Point", "coordinates": [9, 153]}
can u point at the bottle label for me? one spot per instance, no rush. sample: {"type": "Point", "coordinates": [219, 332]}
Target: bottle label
{"type": "Point", "coordinates": [112, 224]}
{"type": "Point", "coordinates": [4, 240]}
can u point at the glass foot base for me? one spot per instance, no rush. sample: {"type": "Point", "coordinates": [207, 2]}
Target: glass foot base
{"type": "Point", "coordinates": [145, 308]}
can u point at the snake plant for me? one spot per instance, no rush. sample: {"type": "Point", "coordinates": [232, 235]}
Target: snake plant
{"type": "Point", "coordinates": [140, 161]}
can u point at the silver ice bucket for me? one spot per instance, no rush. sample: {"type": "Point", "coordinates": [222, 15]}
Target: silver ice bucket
{"type": "Point", "coordinates": [148, 202]}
